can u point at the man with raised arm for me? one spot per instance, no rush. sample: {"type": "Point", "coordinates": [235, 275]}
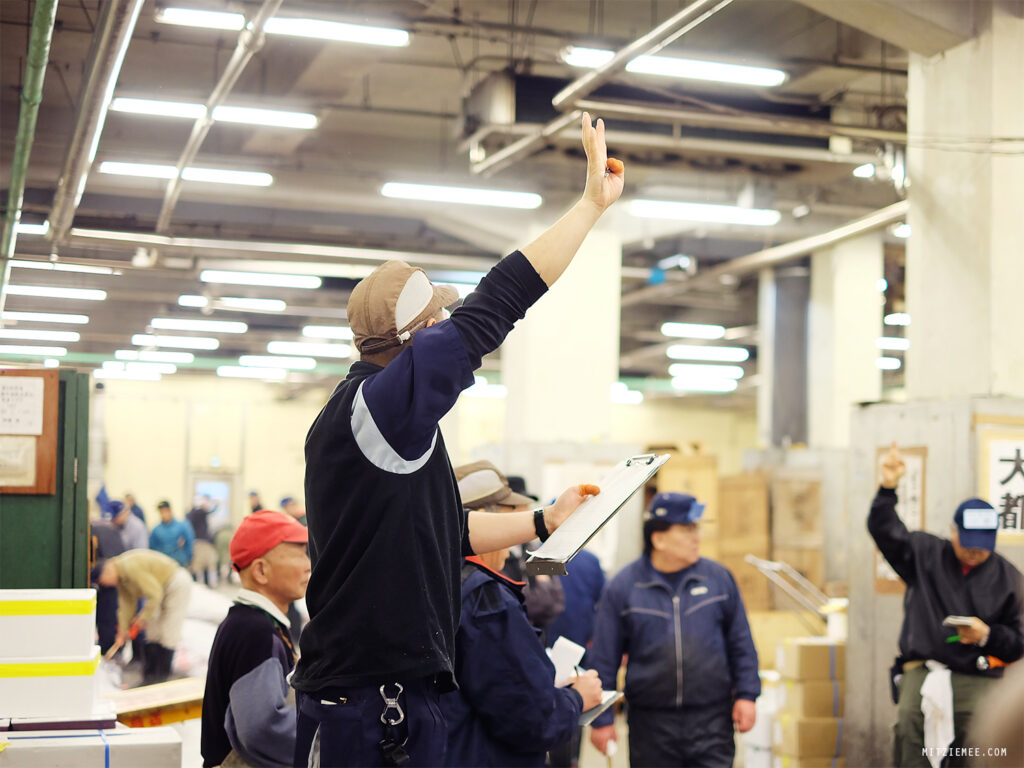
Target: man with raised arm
{"type": "Point", "coordinates": [387, 531]}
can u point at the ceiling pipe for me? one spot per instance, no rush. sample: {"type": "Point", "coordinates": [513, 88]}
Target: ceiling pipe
{"type": "Point", "coordinates": [771, 257]}
{"type": "Point", "coordinates": [110, 44]}
{"type": "Point", "coordinates": [505, 157]}
{"type": "Point", "coordinates": [31, 97]}
{"type": "Point", "coordinates": [250, 41]}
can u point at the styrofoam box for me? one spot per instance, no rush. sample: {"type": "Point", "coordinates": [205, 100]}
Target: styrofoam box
{"type": "Point", "coordinates": [128, 748]}
{"type": "Point", "coordinates": [63, 686]}
{"type": "Point", "coordinates": [38, 623]}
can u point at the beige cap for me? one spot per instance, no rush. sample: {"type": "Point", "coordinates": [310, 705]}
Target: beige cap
{"type": "Point", "coordinates": [391, 303]}
{"type": "Point", "coordinates": [481, 484]}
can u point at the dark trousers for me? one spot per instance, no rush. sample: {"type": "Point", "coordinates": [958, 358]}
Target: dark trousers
{"type": "Point", "coordinates": [342, 727]}
{"type": "Point", "coordinates": [689, 737]}
{"type": "Point", "coordinates": [908, 733]}
{"type": "Point", "coordinates": [106, 616]}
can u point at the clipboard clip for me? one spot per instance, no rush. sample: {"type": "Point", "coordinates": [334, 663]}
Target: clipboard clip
{"type": "Point", "coordinates": [649, 456]}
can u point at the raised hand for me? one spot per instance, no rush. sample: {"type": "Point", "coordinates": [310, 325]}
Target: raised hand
{"type": "Point", "coordinates": [567, 503]}
{"type": "Point", "coordinates": [605, 176]}
{"type": "Point", "coordinates": [893, 467]}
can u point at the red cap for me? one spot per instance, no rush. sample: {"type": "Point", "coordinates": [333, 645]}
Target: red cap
{"type": "Point", "coordinates": [260, 532]}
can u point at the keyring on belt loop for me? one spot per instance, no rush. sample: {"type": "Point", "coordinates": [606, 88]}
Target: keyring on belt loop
{"type": "Point", "coordinates": [391, 703]}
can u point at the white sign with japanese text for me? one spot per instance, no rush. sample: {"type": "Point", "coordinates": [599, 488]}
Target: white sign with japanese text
{"type": "Point", "coordinates": [1005, 482]}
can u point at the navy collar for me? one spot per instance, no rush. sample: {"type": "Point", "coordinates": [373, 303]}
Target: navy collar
{"type": "Point", "coordinates": [652, 576]}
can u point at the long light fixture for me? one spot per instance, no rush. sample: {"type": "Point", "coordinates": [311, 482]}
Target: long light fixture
{"type": "Point", "coordinates": [341, 332]}
{"type": "Point", "coordinates": [27, 335]}
{"type": "Point", "coordinates": [892, 343]}
{"type": "Point", "coordinates": [154, 356]}
{"type": "Point", "coordinates": [706, 213]}
{"type": "Point", "coordinates": [670, 66]}
{"type": "Point", "coordinates": [25, 228]}
{"type": "Point", "coordinates": [106, 373]}
{"type": "Point", "coordinates": [275, 361]}
{"type": "Point", "coordinates": [897, 318]}
{"type": "Point", "coordinates": [463, 195]}
{"type": "Point", "coordinates": [211, 175]}
{"type": "Point", "coordinates": [275, 118]}
{"type": "Point", "coordinates": [118, 365]}
{"type": "Point", "coordinates": [32, 351]}
{"type": "Point", "coordinates": [259, 278]}
{"type": "Point", "coordinates": [318, 29]}
{"type": "Point", "coordinates": [206, 326]}
{"type": "Point", "coordinates": [703, 384]}
{"type": "Point", "coordinates": [45, 317]}
{"type": "Point", "coordinates": [243, 372]}
{"type": "Point", "coordinates": [180, 342]}
{"type": "Point", "coordinates": [902, 230]}
{"type": "Point", "coordinates": [693, 331]}
{"type": "Point", "coordinates": [53, 292]}
{"type": "Point", "coordinates": [51, 363]}
{"type": "Point", "coordinates": [888, 363]}
{"type": "Point", "coordinates": [709, 353]}
{"type": "Point", "coordinates": [304, 349]}
{"type": "Point", "coordinates": [711, 371]}
{"type": "Point", "coordinates": [51, 266]}
{"type": "Point", "coordinates": [233, 303]}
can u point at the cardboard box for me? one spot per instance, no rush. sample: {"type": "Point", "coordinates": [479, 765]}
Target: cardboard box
{"type": "Point", "coordinates": [38, 623]}
{"type": "Point", "coordinates": [813, 698]}
{"type": "Point", "coordinates": [770, 628]}
{"type": "Point", "coordinates": [809, 562]}
{"type": "Point", "coordinates": [128, 748]}
{"type": "Point", "coordinates": [811, 658]}
{"type": "Point", "coordinates": [804, 737]}
{"type": "Point", "coordinates": [696, 475]}
{"type": "Point", "coordinates": [791, 761]}
{"type": "Point", "coordinates": [797, 508]}
{"type": "Point", "coordinates": [49, 687]}
{"type": "Point", "coordinates": [758, 546]}
{"type": "Point", "coordinates": [743, 506]}
{"type": "Point", "coordinates": [754, 588]}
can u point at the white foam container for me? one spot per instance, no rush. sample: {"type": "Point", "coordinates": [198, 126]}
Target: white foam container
{"type": "Point", "coordinates": [39, 623]}
{"type": "Point", "coordinates": [49, 687]}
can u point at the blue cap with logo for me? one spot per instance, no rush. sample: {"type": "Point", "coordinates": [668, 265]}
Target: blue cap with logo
{"type": "Point", "coordinates": [675, 508]}
{"type": "Point", "coordinates": [977, 523]}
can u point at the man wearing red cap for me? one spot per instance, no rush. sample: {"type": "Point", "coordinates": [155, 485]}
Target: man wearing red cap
{"type": "Point", "coordinates": [247, 710]}
{"type": "Point", "coordinates": [387, 532]}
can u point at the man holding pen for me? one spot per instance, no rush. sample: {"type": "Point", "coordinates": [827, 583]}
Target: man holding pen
{"type": "Point", "coordinates": [387, 532]}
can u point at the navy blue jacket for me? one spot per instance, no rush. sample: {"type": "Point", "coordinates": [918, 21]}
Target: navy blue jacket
{"type": "Point", "coordinates": [583, 586]}
{"type": "Point", "coordinates": [691, 647]}
{"type": "Point", "coordinates": [507, 711]}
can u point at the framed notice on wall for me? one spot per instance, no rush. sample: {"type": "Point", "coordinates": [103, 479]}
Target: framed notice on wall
{"type": "Point", "coordinates": [28, 431]}
{"type": "Point", "coordinates": [910, 508]}
{"type": "Point", "coordinates": [1001, 472]}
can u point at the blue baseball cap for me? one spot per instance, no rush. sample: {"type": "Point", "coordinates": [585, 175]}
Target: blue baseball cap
{"type": "Point", "coordinates": [977, 523]}
{"type": "Point", "coordinates": [675, 508]}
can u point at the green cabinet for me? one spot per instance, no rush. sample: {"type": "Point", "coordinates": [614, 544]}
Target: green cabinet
{"type": "Point", "coordinates": [44, 538]}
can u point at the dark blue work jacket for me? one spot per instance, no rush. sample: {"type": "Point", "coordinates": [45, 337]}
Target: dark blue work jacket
{"type": "Point", "coordinates": [507, 711]}
{"type": "Point", "coordinates": [688, 647]}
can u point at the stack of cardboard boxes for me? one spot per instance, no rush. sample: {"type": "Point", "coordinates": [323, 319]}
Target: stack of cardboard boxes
{"type": "Point", "coordinates": [808, 730]}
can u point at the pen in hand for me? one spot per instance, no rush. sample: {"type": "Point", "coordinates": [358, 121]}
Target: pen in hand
{"type": "Point", "coordinates": [953, 639]}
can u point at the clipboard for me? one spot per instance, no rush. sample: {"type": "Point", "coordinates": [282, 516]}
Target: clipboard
{"type": "Point", "coordinates": [607, 699]}
{"type": "Point", "coordinates": [625, 479]}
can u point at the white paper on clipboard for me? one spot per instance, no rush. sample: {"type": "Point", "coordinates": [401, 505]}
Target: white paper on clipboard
{"type": "Point", "coordinates": [625, 479]}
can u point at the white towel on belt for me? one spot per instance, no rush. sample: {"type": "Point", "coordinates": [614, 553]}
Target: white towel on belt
{"type": "Point", "coordinates": [937, 707]}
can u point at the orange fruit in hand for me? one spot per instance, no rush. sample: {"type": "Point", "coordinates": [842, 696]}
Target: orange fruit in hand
{"type": "Point", "coordinates": [614, 165]}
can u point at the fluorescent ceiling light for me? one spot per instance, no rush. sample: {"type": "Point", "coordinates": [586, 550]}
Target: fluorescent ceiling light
{"type": "Point", "coordinates": [117, 365]}
{"type": "Point", "coordinates": [208, 326]}
{"type": "Point", "coordinates": [892, 343]}
{"type": "Point", "coordinates": [866, 171]}
{"type": "Point", "coordinates": [319, 29]}
{"type": "Point", "coordinates": [272, 361]}
{"type": "Point", "coordinates": [51, 363]}
{"type": "Point", "coordinates": [718, 354]}
{"type": "Point", "coordinates": [704, 212]}
{"type": "Point", "coordinates": [26, 335]}
{"type": "Point", "coordinates": [242, 372]}
{"type": "Point", "coordinates": [30, 351]}
{"type": "Point", "coordinates": [211, 175]}
{"type": "Point", "coordinates": [45, 317]}
{"type": "Point", "coordinates": [703, 384]}
{"type": "Point", "coordinates": [106, 373]}
{"type": "Point", "coordinates": [623, 395]}
{"type": "Point", "coordinates": [61, 267]}
{"type": "Point", "coordinates": [181, 342]}
{"type": "Point", "coordinates": [158, 108]}
{"type": "Point", "coordinates": [693, 331]}
{"type": "Point", "coordinates": [191, 300]}
{"type": "Point", "coordinates": [24, 228]}
{"type": "Point", "coordinates": [259, 278]}
{"type": "Point", "coordinates": [153, 356]}
{"type": "Point", "coordinates": [897, 318]}
{"type": "Point", "coordinates": [240, 304]}
{"type": "Point", "coordinates": [670, 66]}
{"type": "Point", "coordinates": [888, 363]}
{"type": "Point", "coordinates": [464, 195]}
{"type": "Point", "coordinates": [901, 230]}
{"type": "Point", "coordinates": [679, 260]}
{"type": "Point", "coordinates": [52, 292]}
{"type": "Point", "coordinates": [342, 332]}
{"type": "Point", "coordinates": [710, 371]}
{"type": "Point", "coordinates": [302, 349]}
{"type": "Point", "coordinates": [275, 118]}
{"type": "Point", "coordinates": [882, 285]}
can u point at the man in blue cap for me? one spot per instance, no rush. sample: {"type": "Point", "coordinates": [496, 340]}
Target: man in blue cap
{"type": "Point", "coordinates": [692, 670]}
{"type": "Point", "coordinates": [963, 620]}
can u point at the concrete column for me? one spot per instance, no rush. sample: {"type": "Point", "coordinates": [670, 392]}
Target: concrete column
{"type": "Point", "coordinates": [765, 356]}
{"type": "Point", "coordinates": [560, 362]}
{"type": "Point", "coordinates": [965, 271]}
{"type": "Point", "coordinates": [844, 320]}
{"type": "Point", "coordinates": [782, 356]}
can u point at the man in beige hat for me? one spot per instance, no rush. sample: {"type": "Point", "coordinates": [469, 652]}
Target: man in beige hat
{"type": "Point", "coordinates": [387, 531]}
